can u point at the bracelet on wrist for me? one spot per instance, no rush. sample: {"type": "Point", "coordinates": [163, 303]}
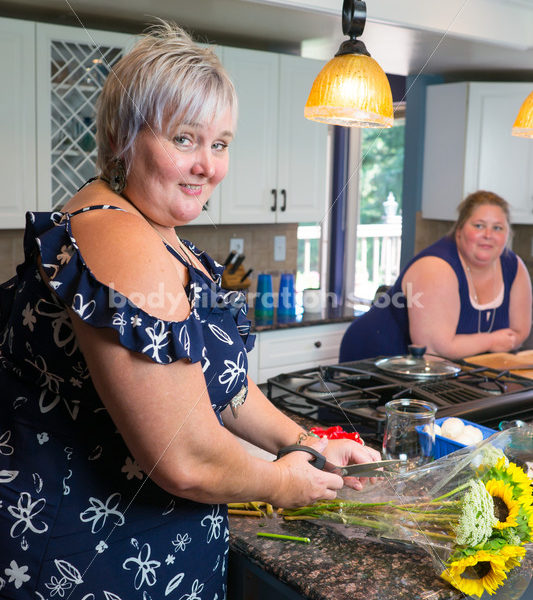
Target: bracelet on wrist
{"type": "Point", "coordinates": [304, 435]}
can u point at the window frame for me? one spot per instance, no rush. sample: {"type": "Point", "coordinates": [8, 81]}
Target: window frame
{"type": "Point", "coordinates": [352, 212]}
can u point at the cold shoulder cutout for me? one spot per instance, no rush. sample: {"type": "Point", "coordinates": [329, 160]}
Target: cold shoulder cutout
{"type": "Point", "coordinates": [102, 306]}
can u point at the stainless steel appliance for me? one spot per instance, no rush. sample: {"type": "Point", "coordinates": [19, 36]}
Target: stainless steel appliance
{"type": "Point", "coordinates": [354, 394]}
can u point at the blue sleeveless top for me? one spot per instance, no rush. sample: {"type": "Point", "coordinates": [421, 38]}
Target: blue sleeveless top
{"type": "Point", "coordinates": [384, 329]}
{"type": "Point", "coordinates": [79, 519]}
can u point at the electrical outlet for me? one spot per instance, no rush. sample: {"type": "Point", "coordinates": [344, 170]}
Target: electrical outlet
{"type": "Point", "coordinates": [280, 247]}
{"type": "Point", "coordinates": [236, 244]}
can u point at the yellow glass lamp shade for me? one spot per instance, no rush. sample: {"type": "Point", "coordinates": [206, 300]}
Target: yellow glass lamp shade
{"type": "Point", "coordinates": [351, 90]}
{"type": "Point", "coordinates": [523, 126]}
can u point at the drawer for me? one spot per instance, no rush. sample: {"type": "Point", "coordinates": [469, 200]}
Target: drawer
{"type": "Point", "coordinates": [297, 348]}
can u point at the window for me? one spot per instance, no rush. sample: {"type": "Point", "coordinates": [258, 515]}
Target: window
{"type": "Point", "coordinates": [374, 225]}
{"type": "Point", "coordinates": [308, 273]}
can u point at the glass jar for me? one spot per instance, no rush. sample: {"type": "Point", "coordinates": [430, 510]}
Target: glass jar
{"type": "Point", "coordinates": [409, 431]}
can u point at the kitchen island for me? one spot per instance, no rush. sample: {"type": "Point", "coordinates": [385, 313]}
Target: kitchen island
{"type": "Point", "coordinates": [331, 567]}
{"type": "Point", "coordinates": [338, 564]}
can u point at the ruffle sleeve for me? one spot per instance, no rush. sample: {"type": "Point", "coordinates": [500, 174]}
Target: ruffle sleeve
{"type": "Point", "coordinates": [99, 305]}
{"type": "Point", "coordinates": [233, 300]}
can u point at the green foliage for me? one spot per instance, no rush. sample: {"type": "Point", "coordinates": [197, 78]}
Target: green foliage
{"type": "Point", "coordinates": [382, 152]}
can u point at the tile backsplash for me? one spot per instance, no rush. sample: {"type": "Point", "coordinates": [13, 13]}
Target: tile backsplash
{"type": "Point", "coordinates": [258, 247]}
{"type": "Point", "coordinates": [11, 252]}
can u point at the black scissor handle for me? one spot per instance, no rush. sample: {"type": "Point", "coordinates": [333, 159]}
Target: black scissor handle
{"type": "Point", "coordinates": [318, 461]}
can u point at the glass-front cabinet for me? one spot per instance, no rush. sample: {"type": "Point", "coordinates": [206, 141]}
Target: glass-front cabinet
{"type": "Point", "coordinates": [17, 121]}
{"type": "Point", "coordinates": [72, 65]}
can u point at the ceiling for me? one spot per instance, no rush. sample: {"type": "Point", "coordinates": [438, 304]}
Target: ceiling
{"type": "Point", "coordinates": [399, 50]}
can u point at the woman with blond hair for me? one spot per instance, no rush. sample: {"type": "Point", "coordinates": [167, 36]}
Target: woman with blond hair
{"type": "Point", "coordinates": [123, 362]}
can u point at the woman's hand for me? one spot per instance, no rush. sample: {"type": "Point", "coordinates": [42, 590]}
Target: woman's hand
{"type": "Point", "coordinates": [301, 483]}
{"type": "Point", "coordinates": [502, 340]}
{"type": "Point", "coordinates": [347, 452]}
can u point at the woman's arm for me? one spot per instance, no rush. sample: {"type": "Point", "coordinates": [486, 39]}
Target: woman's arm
{"type": "Point", "coordinates": [520, 304]}
{"type": "Point", "coordinates": [163, 412]}
{"type": "Point", "coordinates": [434, 313]}
{"type": "Point", "coordinates": [261, 423]}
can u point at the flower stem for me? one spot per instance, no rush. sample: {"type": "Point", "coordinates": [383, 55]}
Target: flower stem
{"type": "Point", "coordinates": [279, 536]}
{"type": "Point", "coordinates": [454, 491]}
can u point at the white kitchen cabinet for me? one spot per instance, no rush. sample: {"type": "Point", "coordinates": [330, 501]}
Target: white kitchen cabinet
{"type": "Point", "coordinates": [286, 350]}
{"type": "Point", "coordinates": [278, 164]}
{"type": "Point", "coordinates": [469, 146]}
{"type": "Point", "coordinates": [72, 64]}
{"type": "Point", "coordinates": [253, 361]}
{"type": "Point", "coordinates": [17, 121]}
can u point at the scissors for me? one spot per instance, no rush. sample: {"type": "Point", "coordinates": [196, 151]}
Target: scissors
{"type": "Point", "coordinates": [377, 468]}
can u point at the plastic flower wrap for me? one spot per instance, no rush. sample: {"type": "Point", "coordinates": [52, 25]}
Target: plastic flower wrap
{"type": "Point", "coordinates": [472, 511]}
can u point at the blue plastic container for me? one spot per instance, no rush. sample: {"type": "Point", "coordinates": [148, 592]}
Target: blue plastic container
{"type": "Point", "coordinates": [443, 445]}
{"type": "Point", "coordinates": [286, 296]}
{"type": "Point", "coordinates": [264, 300]}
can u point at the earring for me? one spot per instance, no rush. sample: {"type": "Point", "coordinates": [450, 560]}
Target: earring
{"type": "Point", "coordinates": [117, 176]}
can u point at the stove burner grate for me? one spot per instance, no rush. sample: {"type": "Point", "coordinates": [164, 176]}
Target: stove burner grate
{"type": "Point", "coordinates": [323, 387]}
{"type": "Point", "coordinates": [355, 393]}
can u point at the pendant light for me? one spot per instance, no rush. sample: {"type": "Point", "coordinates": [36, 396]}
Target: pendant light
{"type": "Point", "coordinates": [352, 89]}
{"type": "Point", "coordinates": [523, 126]}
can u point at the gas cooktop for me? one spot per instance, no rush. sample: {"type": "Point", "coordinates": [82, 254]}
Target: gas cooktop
{"type": "Point", "coordinates": [354, 394]}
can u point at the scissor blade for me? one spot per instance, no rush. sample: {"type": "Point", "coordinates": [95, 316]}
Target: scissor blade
{"type": "Point", "coordinates": [372, 469]}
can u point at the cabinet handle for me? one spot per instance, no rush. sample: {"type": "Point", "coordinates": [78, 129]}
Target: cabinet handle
{"type": "Point", "coordinates": [318, 343]}
{"type": "Point", "coordinates": [275, 205]}
{"type": "Point", "coordinates": [284, 203]}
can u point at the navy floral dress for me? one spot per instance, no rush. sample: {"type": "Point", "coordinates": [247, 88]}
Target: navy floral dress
{"type": "Point", "coordinates": [79, 519]}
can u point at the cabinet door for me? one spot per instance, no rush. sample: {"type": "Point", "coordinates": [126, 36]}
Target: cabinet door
{"type": "Point", "coordinates": [496, 160]}
{"type": "Point", "coordinates": [17, 121]}
{"type": "Point", "coordinates": [72, 64]}
{"type": "Point", "coordinates": [253, 361]}
{"type": "Point", "coordinates": [302, 146]}
{"type": "Point", "coordinates": [246, 190]}
{"type": "Point", "coordinates": [444, 150]}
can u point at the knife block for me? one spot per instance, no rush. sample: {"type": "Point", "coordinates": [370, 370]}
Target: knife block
{"type": "Point", "coordinates": [232, 281]}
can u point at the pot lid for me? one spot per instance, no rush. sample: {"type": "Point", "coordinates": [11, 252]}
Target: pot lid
{"type": "Point", "coordinates": [417, 366]}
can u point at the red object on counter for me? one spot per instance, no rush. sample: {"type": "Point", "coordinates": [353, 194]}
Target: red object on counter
{"type": "Point", "coordinates": [337, 433]}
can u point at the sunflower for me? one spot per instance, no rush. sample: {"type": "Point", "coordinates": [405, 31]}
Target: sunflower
{"type": "Point", "coordinates": [472, 575]}
{"type": "Point", "coordinates": [513, 556]}
{"type": "Point", "coordinates": [505, 507]}
{"type": "Point", "coordinates": [517, 476]}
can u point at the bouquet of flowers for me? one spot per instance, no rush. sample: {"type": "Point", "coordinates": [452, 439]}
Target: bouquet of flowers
{"type": "Point", "coordinates": [471, 510]}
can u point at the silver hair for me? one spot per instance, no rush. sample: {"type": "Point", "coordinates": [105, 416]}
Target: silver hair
{"type": "Point", "coordinates": [164, 80]}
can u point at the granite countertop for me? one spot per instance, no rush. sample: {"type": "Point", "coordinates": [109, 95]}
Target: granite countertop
{"type": "Point", "coordinates": [334, 567]}
{"type": "Point", "coordinates": [338, 564]}
{"type": "Point", "coordinates": [338, 314]}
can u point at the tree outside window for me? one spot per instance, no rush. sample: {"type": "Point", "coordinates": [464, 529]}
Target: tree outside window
{"type": "Point", "coordinates": [380, 203]}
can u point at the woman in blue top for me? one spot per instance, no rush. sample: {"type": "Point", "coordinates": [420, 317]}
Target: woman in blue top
{"type": "Point", "coordinates": [123, 362]}
{"type": "Point", "coordinates": [466, 294]}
